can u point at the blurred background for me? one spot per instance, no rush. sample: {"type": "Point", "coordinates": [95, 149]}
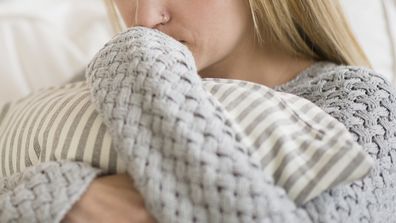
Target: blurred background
{"type": "Point", "coordinates": [47, 42]}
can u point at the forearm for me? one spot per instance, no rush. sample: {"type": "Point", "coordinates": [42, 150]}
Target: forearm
{"type": "Point", "coordinates": [44, 193]}
{"type": "Point", "coordinates": [181, 151]}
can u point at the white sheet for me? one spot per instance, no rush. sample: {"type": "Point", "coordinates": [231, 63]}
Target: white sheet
{"type": "Point", "coordinates": [370, 24]}
{"type": "Point", "coordinates": [390, 7]}
{"type": "Point", "coordinates": [45, 42]}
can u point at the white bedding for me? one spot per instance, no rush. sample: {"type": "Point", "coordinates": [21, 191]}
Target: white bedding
{"type": "Point", "coordinates": [372, 23]}
{"type": "Point", "coordinates": [45, 42]}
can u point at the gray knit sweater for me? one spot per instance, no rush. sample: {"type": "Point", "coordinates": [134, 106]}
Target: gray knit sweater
{"type": "Point", "coordinates": [366, 104]}
{"type": "Point", "coordinates": [357, 97]}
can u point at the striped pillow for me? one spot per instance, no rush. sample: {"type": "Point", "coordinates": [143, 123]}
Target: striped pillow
{"type": "Point", "coordinates": [55, 124]}
{"type": "Point", "coordinates": [303, 148]}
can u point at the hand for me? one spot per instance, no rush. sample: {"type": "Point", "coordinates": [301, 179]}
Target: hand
{"type": "Point", "coordinates": [110, 199]}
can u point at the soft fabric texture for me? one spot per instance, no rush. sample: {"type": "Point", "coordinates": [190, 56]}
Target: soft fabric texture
{"type": "Point", "coordinates": [44, 193]}
{"type": "Point", "coordinates": [366, 104]}
{"type": "Point", "coordinates": [45, 42]}
{"type": "Point", "coordinates": [184, 155]}
{"type": "Point", "coordinates": [361, 100]}
{"type": "Point", "coordinates": [301, 147]}
{"type": "Point", "coordinates": [305, 150]}
{"type": "Point", "coordinates": [58, 123]}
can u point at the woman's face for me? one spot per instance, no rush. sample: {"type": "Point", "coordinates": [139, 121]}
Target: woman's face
{"type": "Point", "coordinates": [211, 29]}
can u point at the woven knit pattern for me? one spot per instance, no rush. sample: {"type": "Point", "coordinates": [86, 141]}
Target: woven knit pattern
{"type": "Point", "coordinates": [185, 158]}
{"type": "Point", "coordinates": [366, 104]}
{"type": "Point", "coordinates": [43, 193]}
{"type": "Point", "coordinates": [361, 100]}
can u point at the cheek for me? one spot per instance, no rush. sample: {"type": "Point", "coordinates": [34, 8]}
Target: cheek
{"type": "Point", "coordinates": [127, 10]}
{"type": "Point", "coordinates": [213, 45]}
{"type": "Point", "coordinates": [222, 25]}
{"type": "Point", "coordinates": [217, 39]}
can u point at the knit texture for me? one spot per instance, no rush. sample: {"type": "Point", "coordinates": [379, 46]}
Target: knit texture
{"type": "Point", "coordinates": [165, 162]}
{"type": "Point", "coordinates": [181, 150]}
{"type": "Point", "coordinates": [44, 193]}
{"type": "Point", "coordinates": [366, 104]}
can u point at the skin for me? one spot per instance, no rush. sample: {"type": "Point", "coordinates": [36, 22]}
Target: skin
{"type": "Point", "coordinates": [222, 48]}
{"type": "Point", "coordinates": [110, 199]}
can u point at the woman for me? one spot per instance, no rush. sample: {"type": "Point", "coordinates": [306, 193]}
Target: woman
{"type": "Point", "coordinates": [296, 46]}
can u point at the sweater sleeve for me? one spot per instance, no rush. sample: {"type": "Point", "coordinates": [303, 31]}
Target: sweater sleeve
{"type": "Point", "coordinates": [366, 104]}
{"type": "Point", "coordinates": [44, 193]}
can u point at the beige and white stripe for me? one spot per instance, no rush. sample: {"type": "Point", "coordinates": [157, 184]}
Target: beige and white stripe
{"type": "Point", "coordinates": [55, 124]}
{"type": "Point", "coordinates": [302, 147]}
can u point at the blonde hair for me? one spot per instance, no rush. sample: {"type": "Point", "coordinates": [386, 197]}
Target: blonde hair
{"type": "Point", "coordinates": [313, 29]}
{"type": "Point", "coordinates": [113, 15]}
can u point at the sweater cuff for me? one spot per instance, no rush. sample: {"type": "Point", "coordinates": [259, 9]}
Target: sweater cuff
{"type": "Point", "coordinates": [44, 193]}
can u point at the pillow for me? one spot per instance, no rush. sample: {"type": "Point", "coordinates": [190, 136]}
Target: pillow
{"type": "Point", "coordinates": [303, 148]}
{"type": "Point", "coordinates": [55, 124]}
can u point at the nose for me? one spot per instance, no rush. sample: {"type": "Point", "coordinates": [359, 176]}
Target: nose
{"type": "Point", "coordinates": [151, 13]}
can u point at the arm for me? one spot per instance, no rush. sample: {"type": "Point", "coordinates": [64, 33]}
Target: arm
{"type": "Point", "coordinates": [44, 193]}
{"type": "Point", "coordinates": [110, 199]}
{"type": "Point", "coordinates": [366, 104]}
{"type": "Point", "coordinates": [182, 153]}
